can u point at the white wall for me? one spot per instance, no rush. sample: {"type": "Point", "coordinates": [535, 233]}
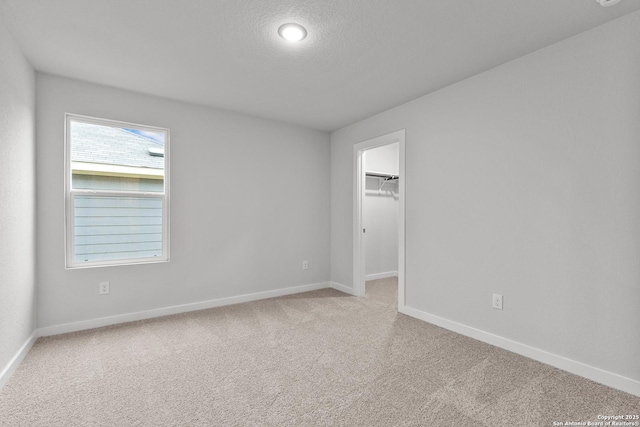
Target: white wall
{"type": "Point", "coordinates": [249, 202]}
{"type": "Point", "coordinates": [523, 181]}
{"type": "Point", "coordinates": [383, 159]}
{"type": "Point", "coordinates": [17, 199]}
{"type": "Point", "coordinates": [380, 213]}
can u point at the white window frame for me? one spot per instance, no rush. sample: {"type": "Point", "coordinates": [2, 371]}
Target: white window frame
{"type": "Point", "coordinates": [70, 195]}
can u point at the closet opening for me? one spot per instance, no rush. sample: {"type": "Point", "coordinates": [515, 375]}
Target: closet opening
{"type": "Point", "coordinates": [379, 218]}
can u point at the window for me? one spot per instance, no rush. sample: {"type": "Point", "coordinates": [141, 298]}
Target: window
{"type": "Point", "coordinates": [117, 188]}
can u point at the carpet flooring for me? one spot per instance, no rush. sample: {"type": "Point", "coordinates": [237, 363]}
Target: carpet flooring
{"type": "Point", "coordinates": [320, 358]}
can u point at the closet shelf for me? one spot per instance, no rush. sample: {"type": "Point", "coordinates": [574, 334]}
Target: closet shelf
{"type": "Point", "coordinates": [385, 176]}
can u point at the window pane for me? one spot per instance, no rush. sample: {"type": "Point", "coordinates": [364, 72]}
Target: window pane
{"type": "Point", "coordinates": [115, 158]}
{"type": "Point", "coordinates": [109, 228]}
{"type": "Point", "coordinates": [117, 200]}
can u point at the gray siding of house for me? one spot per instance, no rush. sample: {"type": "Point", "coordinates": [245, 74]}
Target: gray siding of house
{"type": "Point", "coordinates": [97, 182]}
{"type": "Point", "coordinates": [109, 228]}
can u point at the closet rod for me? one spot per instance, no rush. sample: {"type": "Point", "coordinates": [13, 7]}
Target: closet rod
{"type": "Point", "coordinates": [386, 176]}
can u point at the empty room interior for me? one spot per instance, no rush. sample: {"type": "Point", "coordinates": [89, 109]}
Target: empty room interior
{"type": "Point", "coordinates": [350, 213]}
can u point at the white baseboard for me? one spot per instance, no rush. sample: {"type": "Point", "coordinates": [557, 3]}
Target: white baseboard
{"type": "Point", "coordinates": [596, 374]}
{"type": "Point", "coordinates": [8, 370]}
{"type": "Point", "coordinates": [176, 309]}
{"type": "Point", "coordinates": [341, 288]}
{"type": "Point", "coordinates": [5, 374]}
{"type": "Point", "coordinates": [578, 368]}
{"type": "Point", "coordinates": [384, 275]}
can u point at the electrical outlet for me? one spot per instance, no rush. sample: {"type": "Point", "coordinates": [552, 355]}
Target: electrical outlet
{"type": "Point", "coordinates": [305, 265]}
{"type": "Point", "coordinates": [104, 288]}
{"type": "Point", "coordinates": [497, 301]}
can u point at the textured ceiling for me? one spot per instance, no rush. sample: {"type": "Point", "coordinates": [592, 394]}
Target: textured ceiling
{"type": "Point", "coordinates": [361, 57]}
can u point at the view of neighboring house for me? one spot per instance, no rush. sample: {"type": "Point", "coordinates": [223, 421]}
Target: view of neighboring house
{"type": "Point", "coordinates": [105, 158]}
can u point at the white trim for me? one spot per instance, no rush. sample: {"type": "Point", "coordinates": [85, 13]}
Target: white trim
{"type": "Point", "coordinates": [342, 288]}
{"type": "Point", "coordinates": [377, 276]}
{"type": "Point", "coordinates": [359, 183]}
{"type": "Point", "coordinates": [578, 368]}
{"type": "Point", "coordinates": [15, 361]}
{"type": "Point", "coordinates": [176, 309]}
{"type": "Point", "coordinates": [359, 186]}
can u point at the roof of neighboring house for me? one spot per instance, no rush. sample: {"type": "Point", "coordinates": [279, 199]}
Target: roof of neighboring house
{"type": "Point", "coordinates": [113, 146]}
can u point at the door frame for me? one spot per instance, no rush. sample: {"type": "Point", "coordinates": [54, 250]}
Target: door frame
{"type": "Point", "coordinates": [359, 185]}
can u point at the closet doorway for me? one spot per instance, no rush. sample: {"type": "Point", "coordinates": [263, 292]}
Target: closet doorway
{"type": "Point", "coordinates": [379, 187]}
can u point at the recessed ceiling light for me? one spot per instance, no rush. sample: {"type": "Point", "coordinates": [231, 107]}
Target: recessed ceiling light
{"type": "Point", "coordinates": [292, 32]}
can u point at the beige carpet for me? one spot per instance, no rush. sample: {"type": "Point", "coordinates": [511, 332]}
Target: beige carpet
{"type": "Point", "coordinates": [315, 359]}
